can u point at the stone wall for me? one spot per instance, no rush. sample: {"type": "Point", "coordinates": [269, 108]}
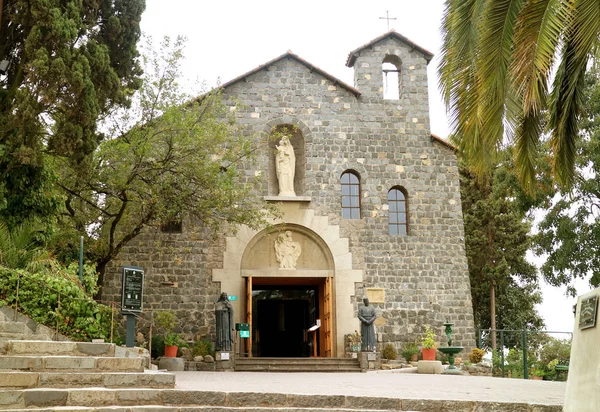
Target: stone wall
{"type": "Point", "coordinates": [387, 143]}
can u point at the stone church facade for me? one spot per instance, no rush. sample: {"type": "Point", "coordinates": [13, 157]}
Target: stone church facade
{"type": "Point", "coordinates": [375, 212]}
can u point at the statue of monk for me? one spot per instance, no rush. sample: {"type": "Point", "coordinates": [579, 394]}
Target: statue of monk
{"type": "Point", "coordinates": [225, 325]}
{"type": "Point", "coordinates": [367, 316]}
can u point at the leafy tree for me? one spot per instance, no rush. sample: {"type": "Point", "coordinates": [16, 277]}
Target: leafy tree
{"type": "Point", "coordinates": [569, 235]}
{"type": "Point", "coordinates": [497, 60]}
{"type": "Point", "coordinates": [504, 284]}
{"type": "Point", "coordinates": [71, 63]}
{"type": "Point", "coordinates": [169, 157]}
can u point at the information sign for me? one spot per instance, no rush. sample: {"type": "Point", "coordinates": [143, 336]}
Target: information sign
{"type": "Point", "coordinates": [232, 297]}
{"type": "Point", "coordinates": [244, 334]}
{"type": "Point", "coordinates": [133, 289]}
{"type": "Point", "coordinates": [588, 314]}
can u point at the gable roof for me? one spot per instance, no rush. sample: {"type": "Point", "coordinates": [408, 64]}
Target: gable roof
{"type": "Point", "coordinates": [392, 33]}
{"type": "Point", "coordinates": [443, 142]}
{"type": "Point", "coordinates": [290, 55]}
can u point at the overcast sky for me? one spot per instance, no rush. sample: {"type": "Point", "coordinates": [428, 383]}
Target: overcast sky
{"type": "Point", "coordinates": [228, 38]}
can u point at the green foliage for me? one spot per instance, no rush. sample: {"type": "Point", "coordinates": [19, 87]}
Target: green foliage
{"type": "Point", "coordinates": [172, 339]}
{"type": "Point", "coordinates": [497, 61]}
{"type": "Point", "coordinates": [497, 239]}
{"type": "Point", "coordinates": [569, 235]}
{"type": "Point", "coordinates": [71, 63]}
{"type": "Point", "coordinates": [169, 157]}
{"type": "Point", "coordinates": [428, 341]}
{"type": "Point", "coordinates": [158, 346]}
{"type": "Point", "coordinates": [55, 298]}
{"type": "Point", "coordinates": [389, 352]}
{"type": "Point", "coordinates": [476, 355]}
{"type": "Point", "coordinates": [409, 350]}
{"type": "Point", "coordinates": [203, 347]}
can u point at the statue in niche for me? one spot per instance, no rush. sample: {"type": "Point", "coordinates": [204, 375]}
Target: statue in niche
{"type": "Point", "coordinates": [285, 165]}
{"type": "Point", "coordinates": [367, 316]}
{"type": "Point", "coordinates": [286, 250]}
{"type": "Point", "coordinates": [225, 325]}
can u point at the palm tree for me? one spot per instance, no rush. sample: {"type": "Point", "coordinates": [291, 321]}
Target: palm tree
{"type": "Point", "coordinates": [498, 57]}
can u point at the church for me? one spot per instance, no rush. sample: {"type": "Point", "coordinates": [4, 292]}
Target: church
{"type": "Point", "coordinates": [370, 207]}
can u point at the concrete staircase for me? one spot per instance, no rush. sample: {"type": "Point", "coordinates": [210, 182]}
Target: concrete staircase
{"type": "Point", "coordinates": [37, 373]}
{"type": "Point", "coordinates": [14, 326]}
{"type": "Point", "coordinates": [297, 365]}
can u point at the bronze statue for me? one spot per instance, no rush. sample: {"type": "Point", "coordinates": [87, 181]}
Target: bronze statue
{"type": "Point", "coordinates": [224, 319]}
{"type": "Point", "coordinates": [367, 316]}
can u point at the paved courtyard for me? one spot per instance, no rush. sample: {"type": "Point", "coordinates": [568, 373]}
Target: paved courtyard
{"type": "Point", "coordinates": [389, 384]}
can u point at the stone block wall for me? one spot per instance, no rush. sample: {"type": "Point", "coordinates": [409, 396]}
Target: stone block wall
{"type": "Point", "coordinates": [387, 143]}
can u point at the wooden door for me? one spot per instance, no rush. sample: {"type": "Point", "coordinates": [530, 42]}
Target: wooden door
{"type": "Point", "coordinates": [327, 319]}
{"type": "Point", "coordinates": [249, 314]}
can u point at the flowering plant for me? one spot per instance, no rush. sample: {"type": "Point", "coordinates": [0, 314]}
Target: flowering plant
{"type": "Point", "coordinates": [354, 338]}
{"type": "Point", "coordinates": [428, 341]}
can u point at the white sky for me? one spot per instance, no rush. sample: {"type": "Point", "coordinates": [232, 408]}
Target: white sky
{"type": "Point", "coordinates": [230, 37]}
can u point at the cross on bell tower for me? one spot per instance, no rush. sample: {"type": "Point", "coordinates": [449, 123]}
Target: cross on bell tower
{"type": "Point", "coordinates": [388, 18]}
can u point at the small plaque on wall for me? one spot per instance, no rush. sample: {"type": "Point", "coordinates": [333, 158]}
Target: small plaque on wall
{"type": "Point", "coordinates": [375, 295]}
{"type": "Point", "coordinates": [588, 312]}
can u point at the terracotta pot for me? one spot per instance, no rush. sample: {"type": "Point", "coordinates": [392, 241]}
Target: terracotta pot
{"type": "Point", "coordinates": [428, 354]}
{"type": "Point", "coordinates": [536, 378]}
{"type": "Point", "coordinates": [170, 351]}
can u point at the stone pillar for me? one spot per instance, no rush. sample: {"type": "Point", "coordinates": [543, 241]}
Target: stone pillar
{"type": "Point", "coordinates": [370, 361]}
{"type": "Point", "coordinates": [583, 384]}
{"type": "Point", "coordinates": [225, 361]}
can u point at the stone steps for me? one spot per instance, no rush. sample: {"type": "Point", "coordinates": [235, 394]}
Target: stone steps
{"type": "Point", "coordinates": [52, 348]}
{"type": "Point", "coordinates": [158, 408]}
{"type": "Point", "coordinates": [297, 365]}
{"type": "Point", "coordinates": [71, 363]}
{"type": "Point", "coordinates": [24, 380]}
{"type": "Point", "coordinates": [95, 399]}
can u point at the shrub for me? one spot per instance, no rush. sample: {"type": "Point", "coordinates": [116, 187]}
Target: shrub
{"type": "Point", "coordinates": [54, 297]}
{"type": "Point", "coordinates": [476, 355]}
{"type": "Point", "coordinates": [158, 346]}
{"type": "Point", "coordinates": [389, 352]}
{"type": "Point", "coordinates": [410, 349]}
{"type": "Point", "coordinates": [203, 347]}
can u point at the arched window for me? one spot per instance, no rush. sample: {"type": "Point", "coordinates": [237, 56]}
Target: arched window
{"type": "Point", "coordinates": [392, 76]}
{"type": "Point", "coordinates": [398, 212]}
{"type": "Point", "coordinates": [350, 196]}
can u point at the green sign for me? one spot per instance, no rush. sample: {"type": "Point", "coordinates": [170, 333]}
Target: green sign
{"type": "Point", "coordinates": [232, 297]}
{"type": "Point", "coordinates": [244, 334]}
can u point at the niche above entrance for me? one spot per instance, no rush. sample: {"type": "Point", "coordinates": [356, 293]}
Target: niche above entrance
{"type": "Point", "coordinates": [308, 255]}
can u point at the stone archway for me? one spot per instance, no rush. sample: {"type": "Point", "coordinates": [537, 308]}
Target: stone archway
{"type": "Point", "coordinates": [316, 232]}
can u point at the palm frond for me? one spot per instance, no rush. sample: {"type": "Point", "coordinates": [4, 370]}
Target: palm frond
{"type": "Point", "coordinates": [495, 54]}
{"type": "Point", "coordinates": [566, 101]}
{"type": "Point", "coordinates": [539, 31]}
{"type": "Point", "coordinates": [526, 148]}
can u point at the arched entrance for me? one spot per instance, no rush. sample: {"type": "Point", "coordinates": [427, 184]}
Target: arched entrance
{"type": "Point", "coordinates": [289, 275]}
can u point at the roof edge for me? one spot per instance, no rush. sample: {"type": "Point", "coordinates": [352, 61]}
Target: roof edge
{"type": "Point", "coordinates": [352, 56]}
{"type": "Point", "coordinates": [300, 60]}
{"type": "Point", "coordinates": [443, 142]}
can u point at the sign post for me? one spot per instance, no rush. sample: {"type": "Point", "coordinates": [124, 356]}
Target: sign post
{"type": "Point", "coordinates": [131, 298]}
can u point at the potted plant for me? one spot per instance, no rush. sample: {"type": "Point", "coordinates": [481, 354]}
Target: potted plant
{"type": "Point", "coordinates": [354, 341]}
{"type": "Point", "coordinates": [428, 344]}
{"type": "Point", "coordinates": [166, 322]}
{"type": "Point", "coordinates": [410, 352]}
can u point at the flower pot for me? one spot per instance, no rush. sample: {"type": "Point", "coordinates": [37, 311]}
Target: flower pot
{"type": "Point", "coordinates": [536, 378]}
{"type": "Point", "coordinates": [170, 351]}
{"type": "Point", "coordinates": [355, 348]}
{"type": "Point", "coordinates": [428, 354]}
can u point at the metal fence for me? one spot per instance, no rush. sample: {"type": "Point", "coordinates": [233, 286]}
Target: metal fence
{"type": "Point", "coordinates": [518, 339]}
